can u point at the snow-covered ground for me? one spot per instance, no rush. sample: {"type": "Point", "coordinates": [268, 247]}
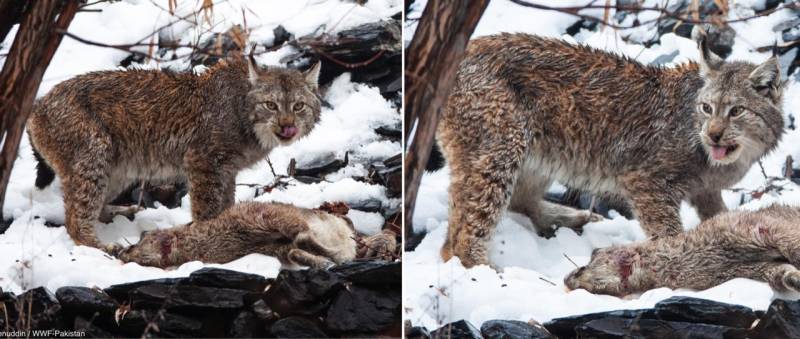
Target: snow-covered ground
{"type": "Point", "coordinates": [32, 254]}
{"type": "Point", "coordinates": [530, 284]}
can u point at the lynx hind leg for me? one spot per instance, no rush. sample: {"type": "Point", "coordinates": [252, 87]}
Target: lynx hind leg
{"type": "Point", "coordinates": [565, 216]}
{"type": "Point", "coordinates": [544, 215]}
{"type": "Point", "coordinates": [482, 179]}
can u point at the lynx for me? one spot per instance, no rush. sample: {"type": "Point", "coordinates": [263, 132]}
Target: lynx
{"type": "Point", "coordinates": [762, 245]}
{"type": "Point", "coordinates": [101, 131]}
{"type": "Point", "coordinates": [527, 110]}
{"type": "Point", "coordinates": [294, 235]}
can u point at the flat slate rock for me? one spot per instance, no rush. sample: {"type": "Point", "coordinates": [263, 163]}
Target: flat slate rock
{"type": "Point", "coordinates": [651, 328]}
{"type": "Point", "coordinates": [371, 272]}
{"type": "Point", "coordinates": [187, 296]}
{"type": "Point", "coordinates": [363, 310]}
{"type": "Point", "coordinates": [565, 327]}
{"type": "Point", "coordinates": [296, 327]}
{"type": "Point", "coordinates": [167, 324]}
{"type": "Point", "coordinates": [512, 329]}
{"type": "Point", "coordinates": [458, 329]}
{"type": "Point", "coordinates": [120, 292]}
{"type": "Point", "coordinates": [695, 310]}
{"type": "Point", "coordinates": [85, 300]}
{"type": "Point", "coordinates": [218, 277]}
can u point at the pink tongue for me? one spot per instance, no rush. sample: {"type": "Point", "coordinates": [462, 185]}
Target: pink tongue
{"type": "Point", "coordinates": [288, 131]}
{"type": "Point", "coordinates": [718, 153]}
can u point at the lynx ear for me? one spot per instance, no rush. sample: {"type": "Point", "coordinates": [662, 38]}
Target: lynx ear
{"type": "Point", "coordinates": [312, 75]}
{"type": "Point", "coordinates": [252, 69]}
{"type": "Point", "coordinates": [708, 60]}
{"type": "Point", "coordinates": [766, 78]}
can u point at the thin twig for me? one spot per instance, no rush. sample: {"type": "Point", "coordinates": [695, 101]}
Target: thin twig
{"type": "Point", "coordinates": [547, 281]}
{"type": "Point", "coordinates": [570, 260]}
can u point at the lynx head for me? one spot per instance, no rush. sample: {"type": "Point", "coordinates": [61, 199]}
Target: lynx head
{"type": "Point", "coordinates": [739, 108]}
{"type": "Point", "coordinates": [611, 271]}
{"type": "Point", "coordinates": [285, 103]}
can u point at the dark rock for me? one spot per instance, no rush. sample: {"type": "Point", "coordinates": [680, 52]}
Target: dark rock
{"type": "Point", "coordinates": [90, 329]}
{"type": "Point", "coordinates": [135, 323]}
{"type": "Point", "coordinates": [791, 35]}
{"type": "Point", "coordinates": [296, 327]}
{"type": "Point", "coordinates": [565, 327]}
{"type": "Point", "coordinates": [245, 325]}
{"type": "Point", "coordinates": [782, 320]}
{"type": "Point", "coordinates": [319, 167]}
{"type": "Point", "coordinates": [85, 301]}
{"type": "Point", "coordinates": [694, 310]}
{"type": "Point", "coordinates": [42, 307]}
{"type": "Point", "coordinates": [218, 277]}
{"type": "Point", "coordinates": [417, 332]}
{"type": "Point", "coordinates": [458, 329]}
{"type": "Point", "coordinates": [120, 292]}
{"type": "Point", "coordinates": [219, 46]}
{"type": "Point", "coordinates": [369, 205]}
{"type": "Point", "coordinates": [395, 160]}
{"type": "Point", "coordinates": [301, 292]}
{"type": "Point", "coordinates": [363, 310]}
{"type": "Point", "coordinates": [651, 328]}
{"type": "Point", "coordinates": [281, 35]}
{"type": "Point", "coordinates": [511, 329]}
{"type": "Point", "coordinates": [390, 177]}
{"type": "Point", "coordinates": [371, 272]}
{"type": "Point", "coordinates": [392, 132]}
{"type": "Point", "coordinates": [581, 24]}
{"type": "Point", "coordinates": [188, 296]}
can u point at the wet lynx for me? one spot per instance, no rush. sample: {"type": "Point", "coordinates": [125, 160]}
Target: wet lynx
{"type": "Point", "coordinates": [527, 110]}
{"type": "Point", "coordinates": [762, 245]}
{"type": "Point", "coordinates": [101, 131]}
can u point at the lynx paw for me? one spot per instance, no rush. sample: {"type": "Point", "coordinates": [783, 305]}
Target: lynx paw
{"type": "Point", "coordinates": [791, 280]}
{"type": "Point", "coordinates": [382, 245]}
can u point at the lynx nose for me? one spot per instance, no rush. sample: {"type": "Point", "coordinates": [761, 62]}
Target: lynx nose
{"type": "Point", "coordinates": [288, 132]}
{"type": "Point", "coordinates": [715, 135]}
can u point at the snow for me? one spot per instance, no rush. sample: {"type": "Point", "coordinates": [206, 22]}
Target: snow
{"type": "Point", "coordinates": [33, 254]}
{"type": "Point", "coordinates": [525, 281]}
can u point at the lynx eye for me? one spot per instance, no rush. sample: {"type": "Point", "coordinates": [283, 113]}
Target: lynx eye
{"type": "Point", "coordinates": [706, 109]}
{"type": "Point", "coordinates": [736, 111]}
{"type": "Point", "coordinates": [271, 106]}
{"type": "Point", "coordinates": [298, 106]}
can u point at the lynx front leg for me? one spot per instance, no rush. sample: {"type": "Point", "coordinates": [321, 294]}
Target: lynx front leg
{"type": "Point", "coordinates": [85, 190]}
{"type": "Point", "coordinates": [656, 205]}
{"type": "Point", "coordinates": [212, 187]}
{"type": "Point", "coordinates": [480, 189]}
{"type": "Point", "coordinates": [708, 204]}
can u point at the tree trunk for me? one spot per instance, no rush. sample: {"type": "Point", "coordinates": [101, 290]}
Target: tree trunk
{"type": "Point", "coordinates": [34, 45]}
{"type": "Point", "coordinates": [432, 59]}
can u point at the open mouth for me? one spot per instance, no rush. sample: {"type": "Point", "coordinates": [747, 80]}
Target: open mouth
{"type": "Point", "coordinates": [720, 152]}
{"type": "Point", "coordinates": [286, 133]}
